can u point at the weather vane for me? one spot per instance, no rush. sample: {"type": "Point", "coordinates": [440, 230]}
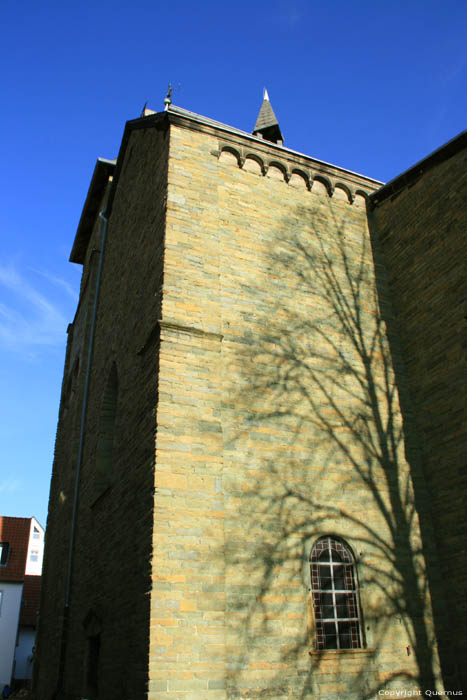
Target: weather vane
{"type": "Point", "coordinates": [168, 97]}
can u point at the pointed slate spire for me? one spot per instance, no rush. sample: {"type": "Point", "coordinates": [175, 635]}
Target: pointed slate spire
{"type": "Point", "coordinates": [267, 126]}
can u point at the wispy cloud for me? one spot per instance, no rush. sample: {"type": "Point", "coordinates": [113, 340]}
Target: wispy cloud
{"type": "Point", "coordinates": [10, 485]}
{"type": "Point", "coordinates": [59, 282]}
{"type": "Point", "coordinates": [29, 315]}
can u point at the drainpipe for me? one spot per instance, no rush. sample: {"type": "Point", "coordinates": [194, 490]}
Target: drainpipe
{"type": "Point", "coordinates": [66, 611]}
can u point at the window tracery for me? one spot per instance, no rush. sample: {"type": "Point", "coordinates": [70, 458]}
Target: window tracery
{"type": "Point", "coordinates": [335, 595]}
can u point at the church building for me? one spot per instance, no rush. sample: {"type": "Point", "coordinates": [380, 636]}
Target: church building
{"type": "Point", "coordinates": [259, 485]}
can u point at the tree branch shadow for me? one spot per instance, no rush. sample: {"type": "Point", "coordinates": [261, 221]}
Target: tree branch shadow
{"type": "Point", "coordinates": [319, 370]}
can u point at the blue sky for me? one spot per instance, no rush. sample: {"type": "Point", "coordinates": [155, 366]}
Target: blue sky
{"type": "Point", "coordinates": [370, 86]}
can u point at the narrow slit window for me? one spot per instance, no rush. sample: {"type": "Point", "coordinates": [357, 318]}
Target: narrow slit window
{"type": "Point", "coordinates": [92, 667]}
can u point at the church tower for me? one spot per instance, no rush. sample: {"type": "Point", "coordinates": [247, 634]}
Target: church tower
{"type": "Point", "coordinates": [234, 509]}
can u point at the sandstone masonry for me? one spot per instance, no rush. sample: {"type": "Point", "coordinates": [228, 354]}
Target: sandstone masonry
{"type": "Point", "coordinates": [253, 385]}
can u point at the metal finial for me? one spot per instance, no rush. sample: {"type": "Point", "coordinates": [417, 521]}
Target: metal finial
{"type": "Point", "coordinates": [168, 97]}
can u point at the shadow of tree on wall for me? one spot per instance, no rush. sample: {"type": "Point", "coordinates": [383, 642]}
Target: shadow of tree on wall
{"type": "Point", "coordinates": [319, 368]}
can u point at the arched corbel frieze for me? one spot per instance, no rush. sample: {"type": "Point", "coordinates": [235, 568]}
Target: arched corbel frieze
{"type": "Point", "coordinates": [321, 185]}
{"type": "Point", "coordinates": [360, 199]}
{"type": "Point", "coordinates": [229, 155]}
{"type": "Point", "coordinates": [342, 192]}
{"type": "Point", "coordinates": [300, 179]}
{"type": "Point", "coordinates": [277, 171]}
{"type": "Point", "coordinates": [254, 164]}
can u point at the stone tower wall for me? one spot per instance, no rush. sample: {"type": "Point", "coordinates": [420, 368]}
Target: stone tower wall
{"type": "Point", "coordinates": [278, 421]}
{"type": "Point", "coordinates": [52, 609]}
{"type": "Point", "coordinates": [242, 339]}
{"type": "Point", "coordinates": [422, 232]}
{"type": "Point", "coordinates": [109, 608]}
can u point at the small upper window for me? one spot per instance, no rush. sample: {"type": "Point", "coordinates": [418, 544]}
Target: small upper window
{"type": "Point", "coordinates": [36, 534]}
{"type": "Point", "coordinates": [335, 596]}
{"type": "Point", "coordinates": [4, 553]}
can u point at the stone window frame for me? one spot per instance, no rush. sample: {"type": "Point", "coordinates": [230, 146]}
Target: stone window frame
{"type": "Point", "coordinates": [331, 555]}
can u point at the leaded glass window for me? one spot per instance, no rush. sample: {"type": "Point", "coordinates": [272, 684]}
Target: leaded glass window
{"type": "Point", "coordinates": [335, 596]}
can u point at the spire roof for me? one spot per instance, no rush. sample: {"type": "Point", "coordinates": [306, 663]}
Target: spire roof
{"type": "Point", "coordinates": [267, 125]}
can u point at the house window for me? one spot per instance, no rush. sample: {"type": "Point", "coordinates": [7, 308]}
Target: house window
{"type": "Point", "coordinates": [36, 534]}
{"type": "Point", "coordinates": [34, 555]}
{"type": "Point", "coordinates": [335, 595]}
{"type": "Point", "coordinates": [4, 553]}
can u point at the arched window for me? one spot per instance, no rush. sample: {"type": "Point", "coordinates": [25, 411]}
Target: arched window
{"type": "Point", "coordinates": [105, 443]}
{"type": "Point", "coordinates": [335, 598]}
